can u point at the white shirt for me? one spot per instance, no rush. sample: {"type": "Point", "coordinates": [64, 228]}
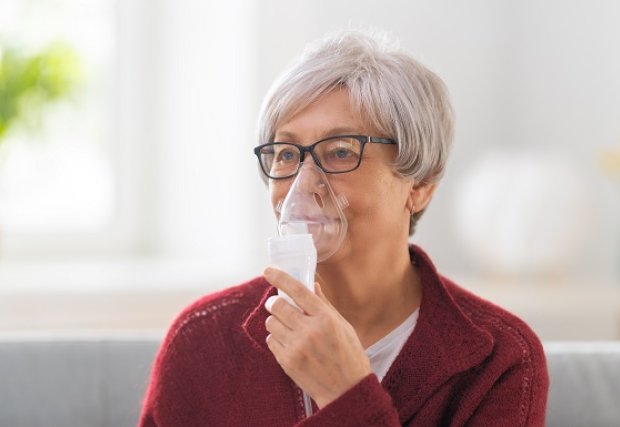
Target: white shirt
{"type": "Point", "coordinates": [383, 352]}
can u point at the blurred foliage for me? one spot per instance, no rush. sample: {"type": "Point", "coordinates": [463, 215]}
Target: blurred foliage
{"type": "Point", "coordinates": [29, 83]}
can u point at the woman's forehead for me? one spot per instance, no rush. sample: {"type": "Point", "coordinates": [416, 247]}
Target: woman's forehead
{"type": "Point", "coordinates": [330, 114]}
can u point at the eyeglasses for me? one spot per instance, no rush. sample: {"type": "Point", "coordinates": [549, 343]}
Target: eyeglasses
{"type": "Point", "coordinates": [336, 154]}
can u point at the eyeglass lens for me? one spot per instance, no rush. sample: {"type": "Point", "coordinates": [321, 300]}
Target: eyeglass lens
{"type": "Point", "coordinates": [340, 154]}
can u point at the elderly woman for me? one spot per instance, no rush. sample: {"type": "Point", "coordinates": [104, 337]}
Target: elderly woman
{"type": "Point", "coordinates": [385, 339]}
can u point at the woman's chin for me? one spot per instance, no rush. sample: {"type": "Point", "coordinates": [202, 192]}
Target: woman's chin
{"type": "Point", "coordinates": [342, 253]}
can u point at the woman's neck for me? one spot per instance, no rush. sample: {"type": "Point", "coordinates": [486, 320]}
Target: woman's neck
{"type": "Point", "coordinates": [375, 291]}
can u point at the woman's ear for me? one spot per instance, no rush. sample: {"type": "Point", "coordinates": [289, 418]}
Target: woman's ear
{"type": "Point", "coordinates": [420, 194]}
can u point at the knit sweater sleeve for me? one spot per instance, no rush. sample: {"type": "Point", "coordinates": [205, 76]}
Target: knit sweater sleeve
{"type": "Point", "coordinates": [367, 403]}
{"type": "Point", "coordinates": [518, 397]}
{"type": "Point", "coordinates": [183, 378]}
{"type": "Point", "coordinates": [164, 388]}
{"type": "Point", "coordinates": [147, 415]}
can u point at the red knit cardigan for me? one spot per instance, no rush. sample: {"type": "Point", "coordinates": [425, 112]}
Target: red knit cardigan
{"type": "Point", "coordinates": [467, 363]}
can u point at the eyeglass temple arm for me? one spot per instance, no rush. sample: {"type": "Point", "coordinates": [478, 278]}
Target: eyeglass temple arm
{"type": "Point", "coordinates": [381, 140]}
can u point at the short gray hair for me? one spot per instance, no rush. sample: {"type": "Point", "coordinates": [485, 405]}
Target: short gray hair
{"type": "Point", "coordinates": [400, 98]}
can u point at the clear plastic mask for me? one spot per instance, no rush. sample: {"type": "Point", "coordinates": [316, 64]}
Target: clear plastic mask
{"type": "Point", "coordinates": [312, 207]}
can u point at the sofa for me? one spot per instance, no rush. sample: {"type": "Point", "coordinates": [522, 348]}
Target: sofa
{"type": "Point", "coordinates": [98, 380]}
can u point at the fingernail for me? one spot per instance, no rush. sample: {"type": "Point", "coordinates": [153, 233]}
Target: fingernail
{"type": "Point", "coordinates": [270, 301]}
{"type": "Point", "coordinates": [268, 272]}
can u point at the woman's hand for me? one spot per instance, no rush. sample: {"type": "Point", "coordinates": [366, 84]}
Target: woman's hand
{"type": "Point", "coordinates": [317, 348]}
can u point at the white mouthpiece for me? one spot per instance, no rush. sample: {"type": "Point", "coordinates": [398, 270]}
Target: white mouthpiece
{"type": "Point", "coordinates": [293, 228]}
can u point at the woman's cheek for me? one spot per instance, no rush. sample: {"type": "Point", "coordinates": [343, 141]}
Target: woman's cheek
{"type": "Point", "coordinates": [277, 191]}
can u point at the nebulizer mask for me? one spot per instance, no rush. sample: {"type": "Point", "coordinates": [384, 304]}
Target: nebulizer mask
{"type": "Point", "coordinates": [311, 225]}
{"type": "Point", "coordinates": [312, 207]}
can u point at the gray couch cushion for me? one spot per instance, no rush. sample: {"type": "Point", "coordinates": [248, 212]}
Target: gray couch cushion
{"type": "Point", "coordinates": [585, 384]}
{"type": "Point", "coordinates": [74, 380]}
{"type": "Point", "coordinates": [99, 381]}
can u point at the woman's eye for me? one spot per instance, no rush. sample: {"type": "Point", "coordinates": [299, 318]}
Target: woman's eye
{"type": "Point", "coordinates": [287, 155]}
{"type": "Point", "coordinates": [342, 153]}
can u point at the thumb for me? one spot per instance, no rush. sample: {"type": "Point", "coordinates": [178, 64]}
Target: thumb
{"type": "Point", "coordinates": [319, 291]}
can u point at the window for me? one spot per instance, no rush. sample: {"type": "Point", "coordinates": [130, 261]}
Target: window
{"type": "Point", "coordinates": [119, 189]}
{"type": "Point", "coordinates": [59, 179]}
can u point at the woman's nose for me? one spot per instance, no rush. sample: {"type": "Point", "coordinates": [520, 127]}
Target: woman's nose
{"type": "Point", "coordinates": [311, 178]}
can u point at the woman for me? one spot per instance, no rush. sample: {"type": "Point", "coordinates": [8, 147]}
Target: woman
{"type": "Point", "coordinates": [385, 339]}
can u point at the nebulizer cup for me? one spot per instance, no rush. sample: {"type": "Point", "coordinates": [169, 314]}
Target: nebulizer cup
{"type": "Point", "coordinates": [311, 225]}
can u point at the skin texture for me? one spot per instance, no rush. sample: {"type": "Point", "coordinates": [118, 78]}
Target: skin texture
{"type": "Point", "coordinates": [369, 286]}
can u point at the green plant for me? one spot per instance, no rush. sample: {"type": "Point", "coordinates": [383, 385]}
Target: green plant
{"type": "Point", "coordinates": [28, 83]}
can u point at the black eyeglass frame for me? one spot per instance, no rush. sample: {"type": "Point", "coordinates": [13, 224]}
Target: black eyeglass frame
{"type": "Point", "coordinates": [363, 140]}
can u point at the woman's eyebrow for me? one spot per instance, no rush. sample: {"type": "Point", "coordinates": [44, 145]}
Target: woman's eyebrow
{"type": "Point", "coordinates": [284, 135]}
{"type": "Point", "coordinates": [344, 130]}
{"type": "Point", "coordinates": [340, 130]}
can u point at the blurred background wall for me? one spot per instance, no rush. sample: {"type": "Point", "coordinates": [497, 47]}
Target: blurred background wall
{"type": "Point", "coordinates": [138, 191]}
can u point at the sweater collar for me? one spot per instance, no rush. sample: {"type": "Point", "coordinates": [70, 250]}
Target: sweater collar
{"type": "Point", "coordinates": [444, 342]}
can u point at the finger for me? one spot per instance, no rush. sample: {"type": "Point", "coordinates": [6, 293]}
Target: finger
{"type": "Point", "coordinates": [305, 299]}
{"type": "Point", "coordinates": [321, 295]}
{"type": "Point", "coordinates": [319, 291]}
{"type": "Point", "coordinates": [290, 316]}
{"type": "Point", "coordinates": [278, 330]}
{"type": "Point", "coordinates": [276, 348]}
